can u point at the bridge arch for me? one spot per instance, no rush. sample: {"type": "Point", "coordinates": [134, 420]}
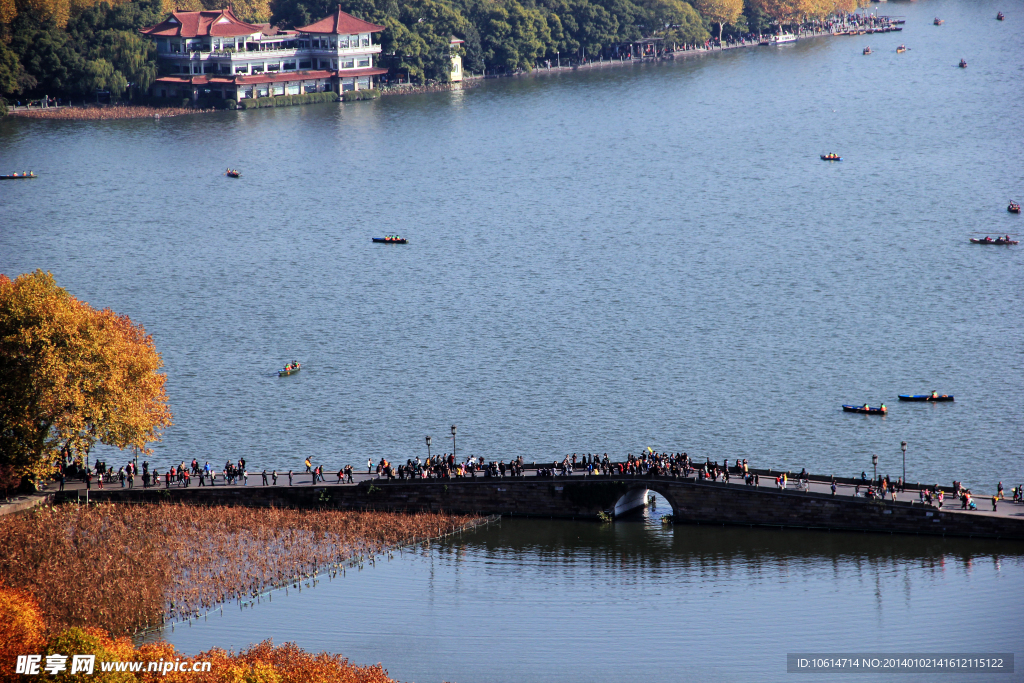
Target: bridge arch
{"type": "Point", "coordinates": [636, 495]}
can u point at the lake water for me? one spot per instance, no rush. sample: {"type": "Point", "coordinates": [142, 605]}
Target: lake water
{"type": "Point", "coordinates": [598, 262]}
{"type": "Point", "coordinates": [578, 602]}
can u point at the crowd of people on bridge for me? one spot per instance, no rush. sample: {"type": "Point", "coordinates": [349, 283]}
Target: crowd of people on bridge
{"type": "Point", "coordinates": [648, 463]}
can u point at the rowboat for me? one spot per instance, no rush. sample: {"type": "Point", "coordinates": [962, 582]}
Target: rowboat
{"type": "Point", "coordinates": [1014, 207]}
{"type": "Point", "coordinates": [289, 369]}
{"type": "Point", "coordinates": [1000, 16]}
{"type": "Point", "coordinates": [867, 411]}
{"type": "Point", "coordinates": [999, 241]}
{"type": "Point", "coordinates": [231, 173]}
{"type": "Point", "coordinates": [901, 49]}
{"type": "Point", "coordinates": [831, 157]}
{"type": "Point", "coordinates": [939, 22]}
{"type": "Point", "coordinates": [867, 50]}
{"type": "Point", "coordinates": [925, 397]}
{"type": "Point", "coordinates": [19, 176]}
{"type": "Point", "coordinates": [962, 64]}
{"type": "Point", "coordinates": [390, 240]}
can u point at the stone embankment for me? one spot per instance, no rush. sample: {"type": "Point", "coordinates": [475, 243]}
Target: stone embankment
{"type": "Point", "coordinates": [579, 497]}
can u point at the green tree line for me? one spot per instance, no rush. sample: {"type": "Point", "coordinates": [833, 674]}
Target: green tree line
{"type": "Point", "coordinates": [72, 48]}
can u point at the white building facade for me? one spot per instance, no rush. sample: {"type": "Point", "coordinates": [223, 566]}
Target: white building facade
{"type": "Point", "coordinates": [213, 54]}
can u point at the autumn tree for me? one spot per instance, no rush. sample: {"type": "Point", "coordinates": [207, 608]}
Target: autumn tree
{"type": "Point", "coordinates": [720, 11]}
{"type": "Point", "coordinates": [71, 376]}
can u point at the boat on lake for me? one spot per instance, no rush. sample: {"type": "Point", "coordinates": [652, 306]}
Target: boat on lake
{"type": "Point", "coordinates": [866, 409]}
{"type": "Point", "coordinates": [867, 50]}
{"type": "Point", "coordinates": [1014, 207]}
{"type": "Point", "coordinates": [934, 396]}
{"type": "Point", "coordinates": [831, 157]}
{"type": "Point", "coordinates": [390, 239]}
{"type": "Point", "coordinates": [998, 240]}
{"type": "Point", "coordinates": [901, 49]}
{"type": "Point", "coordinates": [939, 22]}
{"type": "Point", "coordinates": [999, 16]}
{"type": "Point", "coordinates": [290, 369]}
{"type": "Point", "coordinates": [962, 64]}
{"type": "Point", "coordinates": [232, 173]}
{"type": "Point", "coordinates": [783, 38]}
{"type": "Point", "coordinates": [18, 176]}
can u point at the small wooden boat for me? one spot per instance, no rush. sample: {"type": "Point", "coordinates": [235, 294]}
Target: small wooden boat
{"type": "Point", "coordinates": [867, 50]}
{"type": "Point", "coordinates": [289, 369]}
{"type": "Point", "coordinates": [19, 176]}
{"type": "Point", "coordinates": [831, 157]}
{"type": "Point", "coordinates": [939, 22]}
{"type": "Point", "coordinates": [390, 239]}
{"type": "Point", "coordinates": [999, 16]}
{"type": "Point", "coordinates": [1014, 207]}
{"type": "Point", "coordinates": [867, 410]}
{"type": "Point", "coordinates": [926, 397]}
{"type": "Point", "coordinates": [962, 64]}
{"type": "Point", "coordinates": [232, 173]}
{"type": "Point", "coordinates": [901, 49]}
{"type": "Point", "coordinates": [989, 240]}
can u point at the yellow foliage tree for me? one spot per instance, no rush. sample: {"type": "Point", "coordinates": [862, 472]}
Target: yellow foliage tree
{"type": "Point", "coordinates": [782, 11]}
{"type": "Point", "coordinates": [720, 11]}
{"type": "Point", "coordinates": [71, 376]}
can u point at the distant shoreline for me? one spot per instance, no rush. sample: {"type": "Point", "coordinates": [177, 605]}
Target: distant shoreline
{"type": "Point", "coordinates": [116, 112]}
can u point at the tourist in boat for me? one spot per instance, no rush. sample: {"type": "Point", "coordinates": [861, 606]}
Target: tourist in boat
{"type": "Point", "coordinates": [883, 408]}
{"type": "Point", "coordinates": [935, 394]}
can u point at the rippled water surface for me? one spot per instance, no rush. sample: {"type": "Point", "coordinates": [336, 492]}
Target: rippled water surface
{"type": "Point", "coordinates": [646, 256]}
{"type": "Point", "coordinates": [582, 602]}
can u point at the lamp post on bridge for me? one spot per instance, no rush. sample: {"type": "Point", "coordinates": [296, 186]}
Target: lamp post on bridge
{"type": "Point", "coordinates": [903, 447]}
{"type": "Point", "coordinates": [874, 464]}
{"type": "Point", "coordinates": [428, 447]}
{"type": "Point", "coordinates": [454, 454]}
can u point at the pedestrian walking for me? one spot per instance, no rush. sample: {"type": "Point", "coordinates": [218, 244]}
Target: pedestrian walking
{"type": "Point", "coordinates": [833, 487]}
{"type": "Point", "coordinates": [264, 477]}
{"type": "Point", "coordinates": [309, 465]}
{"type": "Point", "coordinates": [289, 477]}
{"type": "Point", "coordinates": [273, 477]}
{"type": "Point", "coordinates": [994, 500]}
{"type": "Point", "coordinates": [999, 493]}
{"type": "Point", "coordinates": [369, 466]}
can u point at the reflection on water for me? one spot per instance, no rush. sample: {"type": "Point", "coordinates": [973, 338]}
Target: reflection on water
{"type": "Point", "coordinates": [529, 600]}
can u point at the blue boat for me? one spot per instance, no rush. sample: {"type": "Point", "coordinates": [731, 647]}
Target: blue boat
{"type": "Point", "coordinates": [926, 397]}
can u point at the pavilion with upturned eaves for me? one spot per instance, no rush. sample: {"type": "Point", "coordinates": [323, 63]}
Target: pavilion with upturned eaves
{"type": "Point", "coordinates": [213, 54]}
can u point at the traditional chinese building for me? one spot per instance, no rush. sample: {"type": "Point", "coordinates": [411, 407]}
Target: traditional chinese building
{"type": "Point", "coordinates": [214, 54]}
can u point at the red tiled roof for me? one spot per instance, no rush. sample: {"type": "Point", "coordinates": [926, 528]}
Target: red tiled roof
{"type": "Point", "coordinates": [340, 23]}
{"type": "Point", "coordinates": [199, 24]}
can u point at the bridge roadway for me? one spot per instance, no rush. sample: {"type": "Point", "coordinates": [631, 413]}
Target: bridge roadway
{"type": "Point", "coordinates": [584, 497]}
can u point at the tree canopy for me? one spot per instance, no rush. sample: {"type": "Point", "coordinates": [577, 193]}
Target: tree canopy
{"type": "Point", "coordinates": [73, 47]}
{"type": "Point", "coordinates": [71, 376]}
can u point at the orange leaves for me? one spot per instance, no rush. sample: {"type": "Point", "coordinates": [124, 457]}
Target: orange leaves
{"type": "Point", "coordinates": [21, 628]}
{"type": "Point", "coordinates": [72, 376]}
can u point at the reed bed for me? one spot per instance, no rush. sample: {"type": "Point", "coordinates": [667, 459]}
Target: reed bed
{"type": "Point", "coordinates": [128, 568]}
{"type": "Point", "coordinates": [104, 113]}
